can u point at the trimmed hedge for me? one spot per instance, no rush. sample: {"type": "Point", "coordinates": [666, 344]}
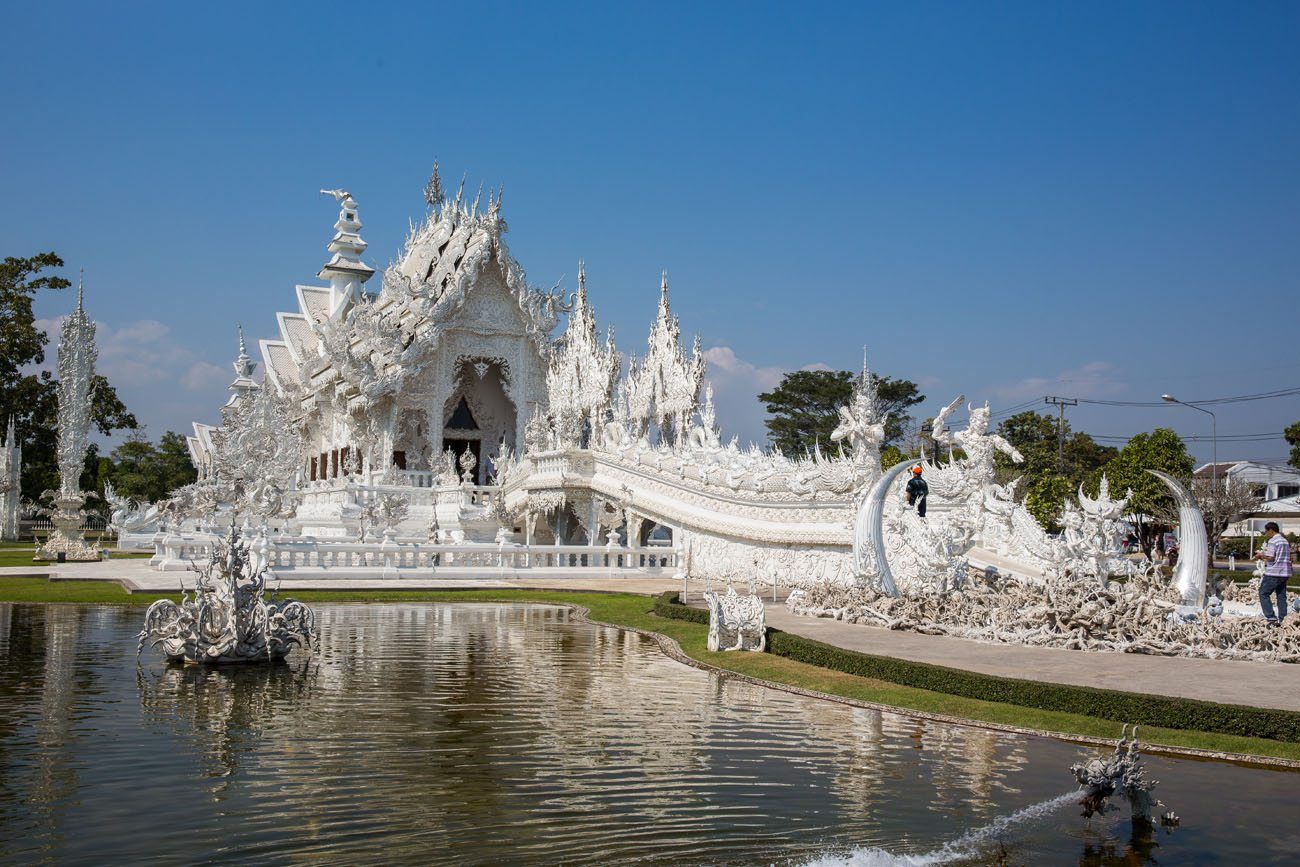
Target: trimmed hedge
{"type": "Point", "coordinates": [1129, 707]}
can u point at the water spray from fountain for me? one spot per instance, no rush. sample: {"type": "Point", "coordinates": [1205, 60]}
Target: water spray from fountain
{"type": "Point", "coordinates": [1099, 779]}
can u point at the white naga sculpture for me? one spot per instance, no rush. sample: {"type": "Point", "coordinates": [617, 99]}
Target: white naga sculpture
{"type": "Point", "coordinates": [77, 355]}
{"type": "Point", "coordinates": [736, 622]}
{"type": "Point", "coordinates": [133, 522]}
{"type": "Point", "coordinates": [224, 618]}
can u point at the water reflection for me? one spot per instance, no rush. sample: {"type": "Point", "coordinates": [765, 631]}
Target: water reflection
{"type": "Point", "coordinates": [483, 733]}
{"type": "Point", "coordinates": [226, 708]}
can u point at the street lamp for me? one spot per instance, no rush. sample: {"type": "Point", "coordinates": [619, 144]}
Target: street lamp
{"type": "Point", "coordinates": [1214, 457]}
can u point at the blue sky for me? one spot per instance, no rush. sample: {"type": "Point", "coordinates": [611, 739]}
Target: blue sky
{"type": "Point", "coordinates": [1007, 200]}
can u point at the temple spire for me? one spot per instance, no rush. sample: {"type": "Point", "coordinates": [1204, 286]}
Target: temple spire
{"type": "Point", "coordinates": [345, 270]}
{"type": "Point", "coordinates": [433, 192]}
{"type": "Point", "coordinates": [244, 367]}
{"type": "Point", "coordinates": [582, 280]}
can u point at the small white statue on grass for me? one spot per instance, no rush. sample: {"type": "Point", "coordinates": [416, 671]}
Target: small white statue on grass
{"type": "Point", "coordinates": [736, 622]}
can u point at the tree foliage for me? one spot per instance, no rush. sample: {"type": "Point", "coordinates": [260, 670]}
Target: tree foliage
{"type": "Point", "coordinates": [1162, 449]}
{"type": "Point", "coordinates": [1292, 434]}
{"type": "Point", "coordinates": [804, 407]}
{"type": "Point", "coordinates": [1053, 467]}
{"type": "Point", "coordinates": [146, 471]}
{"type": "Point", "coordinates": [30, 397]}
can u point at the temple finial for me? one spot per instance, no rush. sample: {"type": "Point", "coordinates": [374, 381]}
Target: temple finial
{"type": "Point", "coordinates": [433, 192]}
{"type": "Point", "coordinates": [244, 365]}
{"type": "Point", "coordinates": [81, 290]}
{"type": "Point", "coordinates": [582, 278]}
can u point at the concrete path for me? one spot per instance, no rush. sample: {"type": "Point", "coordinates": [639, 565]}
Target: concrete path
{"type": "Point", "coordinates": [1258, 684]}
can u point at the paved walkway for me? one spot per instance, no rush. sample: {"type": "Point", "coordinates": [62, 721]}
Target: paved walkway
{"type": "Point", "coordinates": [1259, 684]}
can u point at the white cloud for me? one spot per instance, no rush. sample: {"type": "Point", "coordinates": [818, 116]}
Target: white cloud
{"type": "Point", "coordinates": [1094, 379]}
{"type": "Point", "coordinates": [164, 382]}
{"type": "Point", "coordinates": [203, 375]}
{"type": "Point", "coordinates": [736, 386]}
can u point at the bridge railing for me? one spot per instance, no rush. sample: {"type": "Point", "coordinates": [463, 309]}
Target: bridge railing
{"type": "Point", "coordinates": [176, 551]}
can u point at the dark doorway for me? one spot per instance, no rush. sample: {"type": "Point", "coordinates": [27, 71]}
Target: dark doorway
{"type": "Point", "coordinates": [460, 447]}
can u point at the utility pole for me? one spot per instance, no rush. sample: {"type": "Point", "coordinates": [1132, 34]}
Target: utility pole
{"type": "Point", "coordinates": [1060, 403]}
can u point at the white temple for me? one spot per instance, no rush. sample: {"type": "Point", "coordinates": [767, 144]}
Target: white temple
{"type": "Point", "coordinates": [441, 408]}
{"type": "Point", "coordinates": [439, 425]}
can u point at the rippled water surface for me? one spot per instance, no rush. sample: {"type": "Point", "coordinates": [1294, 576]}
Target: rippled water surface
{"type": "Point", "coordinates": [477, 734]}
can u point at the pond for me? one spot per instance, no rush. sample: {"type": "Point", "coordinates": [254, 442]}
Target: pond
{"type": "Point", "coordinates": [475, 734]}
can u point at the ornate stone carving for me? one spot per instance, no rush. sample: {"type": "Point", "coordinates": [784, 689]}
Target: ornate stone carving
{"type": "Point", "coordinates": [664, 388]}
{"type": "Point", "coordinates": [582, 374]}
{"type": "Point", "coordinates": [11, 474]}
{"type": "Point", "coordinates": [224, 618]}
{"type": "Point", "coordinates": [77, 356]}
{"type": "Point", "coordinates": [127, 515]}
{"type": "Point", "coordinates": [736, 622]}
{"type": "Point", "coordinates": [1120, 774]}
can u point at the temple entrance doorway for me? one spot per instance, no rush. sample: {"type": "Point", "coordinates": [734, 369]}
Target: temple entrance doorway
{"type": "Point", "coordinates": [479, 416]}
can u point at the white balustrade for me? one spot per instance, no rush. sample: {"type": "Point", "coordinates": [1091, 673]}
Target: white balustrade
{"type": "Point", "coordinates": [176, 551]}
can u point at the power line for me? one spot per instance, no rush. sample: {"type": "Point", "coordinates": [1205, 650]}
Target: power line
{"type": "Point", "coordinates": [1242, 398]}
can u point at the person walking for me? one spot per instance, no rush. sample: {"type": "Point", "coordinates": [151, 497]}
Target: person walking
{"type": "Point", "coordinates": [917, 491]}
{"type": "Point", "coordinates": [1276, 555]}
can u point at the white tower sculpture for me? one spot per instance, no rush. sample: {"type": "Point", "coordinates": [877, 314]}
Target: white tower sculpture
{"type": "Point", "coordinates": [345, 270]}
{"type": "Point", "coordinates": [11, 471]}
{"type": "Point", "coordinates": [77, 356]}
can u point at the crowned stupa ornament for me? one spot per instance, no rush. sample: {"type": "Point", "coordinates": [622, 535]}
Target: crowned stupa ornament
{"type": "Point", "coordinates": [77, 356]}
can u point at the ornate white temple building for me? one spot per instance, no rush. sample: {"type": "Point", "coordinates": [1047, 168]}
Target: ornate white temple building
{"type": "Point", "coordinates": [441, 408]}
{"type": "Point", "coordinates": [437, 424]}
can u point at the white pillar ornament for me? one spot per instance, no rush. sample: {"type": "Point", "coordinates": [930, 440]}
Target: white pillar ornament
{"type": "Point", "coordinates": [77, 355]}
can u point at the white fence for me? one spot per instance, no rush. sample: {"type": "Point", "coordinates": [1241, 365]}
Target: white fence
{"type": "Point", "coordinates": [343, 558]}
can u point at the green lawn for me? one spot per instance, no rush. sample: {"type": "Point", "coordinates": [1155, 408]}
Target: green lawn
{"type": "Point", "coordinates": [21, 553]}
{"type": "Point", "coordinates": [624, 609]}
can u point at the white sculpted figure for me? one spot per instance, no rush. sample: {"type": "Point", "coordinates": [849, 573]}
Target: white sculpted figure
{"type": "Point", "coordinates": [127, 515]}
{"type": "Point", "coordinates": [736, 622]}
{"type": "Point", "coordinates": [862, 425]}
{"type": "Point", "coordinates": [224, 618]}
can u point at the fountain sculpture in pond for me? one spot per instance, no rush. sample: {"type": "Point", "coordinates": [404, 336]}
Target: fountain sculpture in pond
{"type": "Point", "coordinates": [1120, 774]}
{"type": "Point", "coordinates": [224, 618]}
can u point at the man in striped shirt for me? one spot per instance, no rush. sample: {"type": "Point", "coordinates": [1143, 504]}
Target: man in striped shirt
{"type": "Point", "coordinates": [1276, 555]}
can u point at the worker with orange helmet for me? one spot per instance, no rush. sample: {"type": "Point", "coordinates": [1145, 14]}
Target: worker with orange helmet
{"type": "Point", "coordinates": [917, 491]}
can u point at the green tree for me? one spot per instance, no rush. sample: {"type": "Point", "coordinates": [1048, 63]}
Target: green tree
{"type": "Point", "coordinates": [1292, 434]}
{"type": "Point", "coordinates": [1052, 468]}
{"type": "Point", "coordinates": [30, 398]}
{"type": "Point", "coordinates": [804, 407]}
{"type": "Point", "coordinates": [149, 472]}
{"type": "Point", "coordinates": [1045, 499]}
{"type": "Point", "coordinates": [1162, 449]}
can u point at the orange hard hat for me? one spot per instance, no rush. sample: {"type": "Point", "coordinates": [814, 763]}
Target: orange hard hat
{"type": "Point", "coordinates": [917, 469]}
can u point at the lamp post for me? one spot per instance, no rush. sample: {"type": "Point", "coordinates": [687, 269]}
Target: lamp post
{"type": "Point", "coordinates": [1214, 466]}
